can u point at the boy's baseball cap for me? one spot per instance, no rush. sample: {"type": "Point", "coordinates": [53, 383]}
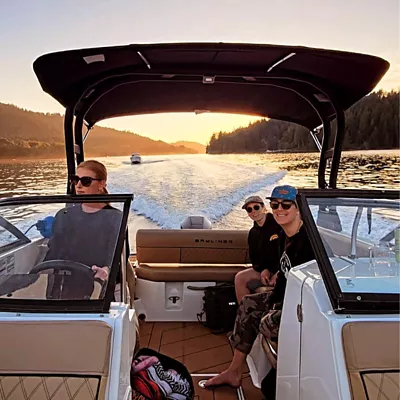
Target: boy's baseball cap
{"type": "Point", "coordinates": [253, 199]}
{"type": "Point", "coordinates": [284, 192]}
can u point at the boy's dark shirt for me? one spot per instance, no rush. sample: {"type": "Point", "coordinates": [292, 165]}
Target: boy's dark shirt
{"type": "Point", "coordinates": [262, 241]}
{"type": "Point", "coordinates": [294, 250]}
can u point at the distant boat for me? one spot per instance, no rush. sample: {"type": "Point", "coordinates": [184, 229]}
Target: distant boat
{"type": "Point", "coordinates": [136, 158]}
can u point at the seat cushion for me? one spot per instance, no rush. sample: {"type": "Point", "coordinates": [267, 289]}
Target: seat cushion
{"type": "Point", "coordinates": [188, 272]}
{"type": "Point", "coordinates": [50, 387]}
{"type": "Point", "coordinates": [371, 352]}
{"type": "Point", "coordinates": [55, 347]}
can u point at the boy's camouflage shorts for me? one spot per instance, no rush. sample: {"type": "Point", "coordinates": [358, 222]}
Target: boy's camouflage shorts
{"type": "Point", "coordinates": [250, 311]}
{"type": "Point", "coordinates": [253, 316]}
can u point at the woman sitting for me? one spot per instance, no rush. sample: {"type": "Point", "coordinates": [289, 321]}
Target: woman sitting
{"type": "Point", "coordinates": [86, 233]}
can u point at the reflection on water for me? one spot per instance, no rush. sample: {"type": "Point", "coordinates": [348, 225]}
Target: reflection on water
{"type": "Point", "coordinates": [169, 188]}
{"type": "Point", "coordinates": [374, 169]}
{"type": "Point", "coordinates": [38, 177]}
{"type": "Point", "coordinates": [370, 169]}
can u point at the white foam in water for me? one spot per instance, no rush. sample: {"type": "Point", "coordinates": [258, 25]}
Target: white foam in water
{"type": "Point", "coordinates": [169, 188]}
{"type": "Point", "coordinates": [168, 191]}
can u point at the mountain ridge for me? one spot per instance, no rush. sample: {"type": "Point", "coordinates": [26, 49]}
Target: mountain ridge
{"type": "Point", "coordinates": [198, 147]}
{"type": "Point", "coordinates": [29, 134]}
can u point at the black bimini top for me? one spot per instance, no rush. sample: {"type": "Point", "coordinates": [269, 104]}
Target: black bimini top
{"type": "Point", "coordinates": [296, 84]}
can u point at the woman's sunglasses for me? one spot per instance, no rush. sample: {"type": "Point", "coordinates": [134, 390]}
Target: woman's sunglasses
{"type": "Point", "coordinates": [286, 204]}
{"type": "Point", "coordinates": [85, 180]}
{"type": "Point", "coordinates": [255, 208]}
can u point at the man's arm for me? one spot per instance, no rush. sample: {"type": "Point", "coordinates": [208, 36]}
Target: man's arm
{"type": "Point", "coordinates": [278, 293]}
{"type": "Point", "coordinates": [252, 253]}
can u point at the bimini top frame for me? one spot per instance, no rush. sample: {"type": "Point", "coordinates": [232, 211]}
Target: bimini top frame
{"type": "Point", "coordinates": [306, 86]}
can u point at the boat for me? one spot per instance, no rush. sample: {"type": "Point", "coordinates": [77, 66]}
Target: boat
{"type": "Point", "coordinates": [340, 323]}
{"type": "Point", "coordinates": [136, 158]}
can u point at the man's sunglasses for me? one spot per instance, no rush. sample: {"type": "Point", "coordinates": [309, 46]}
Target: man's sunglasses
{"type": "Point", "coordinates": [85, 180]}
{"type": "Point", "coordinates": [256, 207]}
{"type": "Point", "coordinates": [286, 204]}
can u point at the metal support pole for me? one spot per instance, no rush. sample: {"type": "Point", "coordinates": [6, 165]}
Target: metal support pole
{"type": "Point", "coordinates": [354, 233]}
{"type": "Point", "coordinates": [80, 156]}
{"type": "Point", "coordinates": [69, 144]}
{"type": "Point", "coordinates": [323, 156]}
{"type": "Point", "coordinates": [337, 149]}
{"type": "Point", "coordinates": [316, 140]}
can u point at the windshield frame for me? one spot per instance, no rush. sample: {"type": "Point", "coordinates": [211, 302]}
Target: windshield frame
{"type": "Point", "coordinates": [73, 306]}
{"type": "Point", "coordinates": [345, 302]}
{"type": "Point", "coordinates": [21, 239]}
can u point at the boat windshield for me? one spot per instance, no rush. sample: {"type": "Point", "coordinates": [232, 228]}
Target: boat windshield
{"type": "Point", "coordinates": [61, 250]}
{"type": "Point", "coordinates": [361, 240]}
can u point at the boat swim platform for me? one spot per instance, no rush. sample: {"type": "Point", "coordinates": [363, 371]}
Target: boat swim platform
{"type": "Point", "coordinates": [204, 354]}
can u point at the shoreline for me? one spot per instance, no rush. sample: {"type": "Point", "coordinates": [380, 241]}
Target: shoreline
{"type": "Point", "coordinates": [26, 159]}
{"type": "Point", "coordinates": [344, 152]}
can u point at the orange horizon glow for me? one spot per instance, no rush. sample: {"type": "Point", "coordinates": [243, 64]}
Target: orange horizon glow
{"type": "Point", "coordinates": [31, 28]}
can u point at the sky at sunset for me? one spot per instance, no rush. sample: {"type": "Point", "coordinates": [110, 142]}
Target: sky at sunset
{"type": "Point", "coordinates": [30, 28]}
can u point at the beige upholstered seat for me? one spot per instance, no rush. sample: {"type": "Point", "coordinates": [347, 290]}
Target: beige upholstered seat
{"type": "Point", "coordinates": [271, 351]}
{"type": "Point", "coordinates": [372, 353]}
{"type": "Point", "coordinates": [46, 388]}
{"type": "Point", "coordinates": [169, 255]}
{"type": "Point", "coordinates": [340, 244]}
{"type": "Point", "coordinates": [38, 289]}
{"type": "Point", "coordinates": [58, 360]}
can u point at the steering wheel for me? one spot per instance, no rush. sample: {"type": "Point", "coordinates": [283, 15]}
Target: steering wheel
{"type": "Point", "coordinates": [59, 265]}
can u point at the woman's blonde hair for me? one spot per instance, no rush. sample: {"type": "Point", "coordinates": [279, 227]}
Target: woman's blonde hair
{"type": "Point", "coordinates": [98, 168]}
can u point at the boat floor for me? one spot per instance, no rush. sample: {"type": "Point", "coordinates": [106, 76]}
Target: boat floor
{"type": "Point", "coordinates": [202, 352]}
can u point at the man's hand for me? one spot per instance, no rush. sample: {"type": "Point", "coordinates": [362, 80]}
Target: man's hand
{"type": "Point", "coordinates": [101, 272]}
{"type": "Point", "coordinates": [272, 281]}
{"type": "Point", "coordinates": [265, 276]}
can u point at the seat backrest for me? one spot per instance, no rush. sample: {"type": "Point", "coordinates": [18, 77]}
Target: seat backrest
{"type": "Point", "coordinates": [55, 359]}
{"type": "Point", "coordinates": [192, 246]}
{"type": "Point", "coordinates": [340, 244]}
{"type": "Point", "coordinates": [371, 352]}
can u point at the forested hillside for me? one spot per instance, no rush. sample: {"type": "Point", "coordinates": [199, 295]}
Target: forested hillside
{"type": "Point", "coordinates": [29, 134]}
{"type": "Point", "coordinates": [372, 123]}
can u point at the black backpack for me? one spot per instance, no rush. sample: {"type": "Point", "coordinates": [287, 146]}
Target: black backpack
{"type": "Point", "coordinates": [220, 307]}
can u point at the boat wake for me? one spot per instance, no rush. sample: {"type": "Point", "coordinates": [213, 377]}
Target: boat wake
{"type": "Point", "coordinates": [168, 218]}
{"type": "Point", "coordinates": [166, 193]}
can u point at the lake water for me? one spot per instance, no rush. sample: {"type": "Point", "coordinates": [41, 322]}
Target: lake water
{"type": "Point", "coordinates": [169, 188]}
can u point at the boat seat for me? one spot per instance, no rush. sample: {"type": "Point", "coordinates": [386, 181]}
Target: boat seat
{"type": "Point", "coordinates": [33, 286]}
{"type": "Point", "coordinates": [54, 359]}
{"type": "Point", "coordinates": [372, 360]}
{"type": "Point", "coordinates": [193, 255]}
{"type": "Point", "coordinates": [271, 351]}
{"type": "Point", "coordinates": [269, 343]}
{"type": "Point", "coordinates": [340, 244]}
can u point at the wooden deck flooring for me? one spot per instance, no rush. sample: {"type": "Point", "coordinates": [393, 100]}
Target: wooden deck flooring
{"type": "Point", "coordinates": [201, 351]}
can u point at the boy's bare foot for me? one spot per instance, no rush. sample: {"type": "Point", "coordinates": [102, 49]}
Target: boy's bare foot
{"type": "Point", "coordinates": [226, 378]}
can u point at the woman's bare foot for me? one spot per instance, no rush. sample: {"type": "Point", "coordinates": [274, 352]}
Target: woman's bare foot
{"type": "Point", "coordinates": [226, 378]}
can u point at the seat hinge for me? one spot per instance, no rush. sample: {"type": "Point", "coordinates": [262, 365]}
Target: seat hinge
{"type": "Point", "coordinates": [300, 313]}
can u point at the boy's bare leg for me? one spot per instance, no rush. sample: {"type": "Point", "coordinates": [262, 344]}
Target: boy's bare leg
{"type": "Point", "coordinates": [241, 280]}
{"type": "Point", "coordinates": [231, 376]}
